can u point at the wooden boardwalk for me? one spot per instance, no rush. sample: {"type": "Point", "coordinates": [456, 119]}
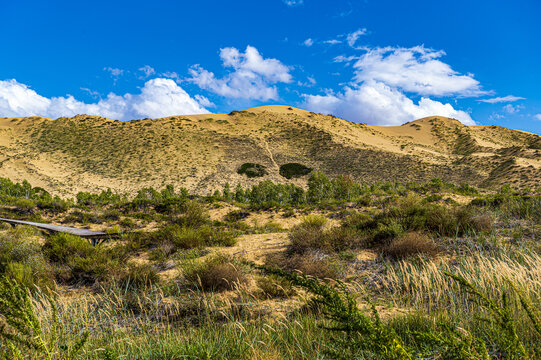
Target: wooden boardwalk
{"type": "Point", "coordinates": [65, 229]}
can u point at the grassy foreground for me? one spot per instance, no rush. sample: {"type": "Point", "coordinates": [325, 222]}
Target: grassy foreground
{"type": "Point", "coordinates": [384, 271]}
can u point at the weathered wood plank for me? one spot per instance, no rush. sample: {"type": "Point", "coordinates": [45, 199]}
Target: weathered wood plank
{"type": "Point", "coordinates": [57, 228]}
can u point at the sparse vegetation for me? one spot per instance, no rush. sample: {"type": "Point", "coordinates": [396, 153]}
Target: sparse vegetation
{"type": "Point", "coordinates": [374, 261]}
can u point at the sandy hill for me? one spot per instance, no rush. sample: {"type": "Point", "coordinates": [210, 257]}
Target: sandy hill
{"type": "Point", "coordinates": [203, 152]}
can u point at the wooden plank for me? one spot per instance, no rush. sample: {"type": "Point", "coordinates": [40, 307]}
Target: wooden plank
{"type": "Point", "coordinates": [57, 228]}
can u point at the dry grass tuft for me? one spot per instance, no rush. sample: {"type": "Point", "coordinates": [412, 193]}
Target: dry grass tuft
{"type": "Point", "coordinates": [410, 244]}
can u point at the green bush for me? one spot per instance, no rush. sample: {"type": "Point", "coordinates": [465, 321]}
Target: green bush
{"type": "Point", "coordinates": [21, 259]}
{"type": "Point", "coordinates": [294, 170]}
{"type": "Point", "coordinates": [252, 170]}
{"type": "Point", "coordinates": [182, 237]}
{"type": "Point", "coordinates": [310, 235]}
{"type": "Point", "coordinates": [411, 214]}
{"type": "Point", "coordinates": [78, 262]}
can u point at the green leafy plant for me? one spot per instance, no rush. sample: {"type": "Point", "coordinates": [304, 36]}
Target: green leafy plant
{"type": "Point", "coordinates": [20, 328]}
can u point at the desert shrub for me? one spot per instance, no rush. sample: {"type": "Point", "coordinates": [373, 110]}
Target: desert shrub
{"type": "Point", "coordinates": [216, 273]}
{"type": "Point", "coordinates": [60, 247]}
{"type": "Point", "coordinates": [55, 205]}
{"type": "Point", "coordinates": [410, 244]}
{"type": "Point", "coordinates": [83, 217]}
{"type": "Point", "coordinates": [111, 215]}
{"type": "Point", "coordinates": [78, 262]}
{"type": "Point", "coordinates": [310, 235]}
{"type": "Point", "coordinates": [433, 198]}
{"type": "Point", "coordinates": [139, 276]}
{"type": "Point", "coordinates": [316, 221]}
{"type": "Point", "coordinates": [273, 287]}
{"type": "Point", "coordinates": [307, 235]}
{"type": "Point", "coordinates": [24, 206]}
{"type": "Point", "coordinates": [411, 214]}
{"type": "Point", "coordinates": [294, 170]}
{"type": "Point", "coordinates": [194, 215]}
{"type": "Point", "coordinates": [182, 237]}
{"type": "Point", "coordinates": [525, 207]}
{"type": "Point", "coordinates": [21, 259]}
{"type": "Point", "coordinates": [236, 215]}
{"type": "Point", "coordinates": [309, 263]}
{"type": "Point", "coordinates": [465, 189]}
{"type": "Point", "coordinates": [128, 223]}
{"type": "Point", "coordinates": [252, 170]}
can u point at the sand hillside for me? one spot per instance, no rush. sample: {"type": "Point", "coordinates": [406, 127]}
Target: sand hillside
{"type": "Point", "coordinates": [203, 152]}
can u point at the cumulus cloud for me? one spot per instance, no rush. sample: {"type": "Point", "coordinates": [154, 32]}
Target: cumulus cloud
{"type": "Point", "coordinates": [376, 103]}
{"type": "Point", "coordinates": [377, 93]}
{"type": "Point", "coordinates": [508, 98]}
{"type": "Point", "coordinates": [158, 98]}
{"type": "Point", "coordinates": [253, 77]}
{"type": "Point", "coordinates": [538, 117]}
{"type": "Point", "coordinates": [416, 70]}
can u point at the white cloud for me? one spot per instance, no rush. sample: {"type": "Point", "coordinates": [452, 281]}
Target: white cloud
{"type": "Point", "coordinates": [252, 77]}
{"type": "Point", "coordinates": [332, 42]}
{"type": "Point", "coordinates": [508, 98]}
{"type": "Point", "coordinates": [510, 109]}
{"type": "Point", "coordinates": [308, 42]}
{"type": "Point", "coordinates": [416, 70]}
{"type": "Point", "coordinates": [354, 36]}
{"type": "Point", "coordinates": [495, 116]}
{"type": "Point", "coordinates": [158, 98]}
{"type": "Point", "coordinates": [376, 103]}
{"type": "Point", "coordinates": [92, 93]}
{"type": "Point", "coordinates": [383, 76]}
{"type": "Point", "coordinates": [147, 71]}
{"type": "Point", "coordinates": [538, 117]}
{"type": "Point", "coordinates": [172, 75]}
{"type": "Point", "coordinates": [115, 73]}
{"type": "Point", "coordinates": [204, 101]}
{"type": "Point", "coordinates": [293, 3]}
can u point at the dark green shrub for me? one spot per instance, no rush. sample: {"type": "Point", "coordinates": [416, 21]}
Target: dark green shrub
{"type": "Point", "coordinates": [78, 262]}
{"type": "Point", "coordinates": [294, 170]}
{"type": "Point", "coordinates": [252, 170]}
{"type": "Point", "coordinates": [236, 215]}
{"type": "Point", "coordinates": [194, 215]}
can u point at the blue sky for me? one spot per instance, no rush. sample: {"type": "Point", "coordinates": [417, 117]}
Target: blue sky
{"type": "Point", "coordinates": [380, 62]}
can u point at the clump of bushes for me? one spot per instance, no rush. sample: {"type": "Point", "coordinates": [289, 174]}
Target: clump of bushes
{"type": "Point", "coordinates": [76, 261]}
{"type": "Point", "coordinates": [410, 244]}
{"type": "Point", "coordinates": [310, 263]}
{"type": "Point", "coordinates": [412, 214]}
{"type": "Point", "coordinates": [21, 258]}
{"type": "Point", "coordinates": [310, 235]}
{"type": "Point", "coordinates": [217, 273]}
{"type": "Point", "coordinates": [252, 170]}
{"type": "Point", "coordinates": [294, 170]}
